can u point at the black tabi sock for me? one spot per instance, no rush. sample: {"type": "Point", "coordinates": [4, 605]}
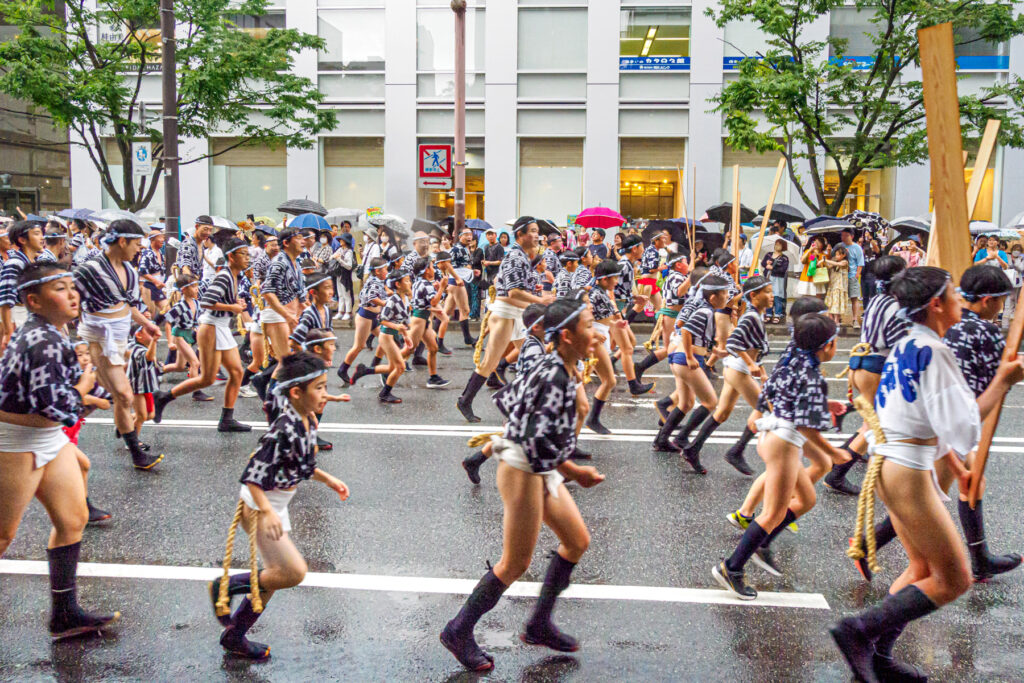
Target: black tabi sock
{"type": "Point", "coordinates": [419, 350]}
{"type": "Point", "coordinates": [247, 376]}
{"type": "Point", "coordinates": [706, 430]}
{"type": "Point", "coordinates": [886, 641]}
{"type": "Point", "coordinates": [973, 525]}
{"type": "Point", "coordinates": [481, 601]}
{"type": "Point", "coordinates": [476, 381]}
{"type": "Point", "coordinates": [665, 403]}
{"type": "Point", "coordinates": [631, 316]}
{"type": "Point", "coordinates": [239, 584]}
{"type": "Point", "coordinates": [477, 458]}
{"type": "Point", "coordinates": [503, 365]}
{"type": "Point", "coordinates": [884, 532]}
{"type": "Point", "coordinates": [846, 444]}
{"type": "Point", "coordinates": [375, 362]}
{"type": "Point", "coordinates": [555, 581]}
{"type": "Point", "coordinates": [343, 368]}
{"type": "Point", "coordinates": [436, 324]}
{"type": "Point", "coordinates": [131, 439]}
{"type": "Point", "coordinates": [385, 390]}
{"type": "Point", "coordinates": [595, 409]}
{"type": "Point", "coordinates": [699, 414]}
{"type": "Point", "coordinates": [751, 540]}
{"type": "Point", "coordinates": [787, 520]}
{"type": "Point", "coordinates": [646, 364]}
{"type": "Point", "coordinates": [227, 414]}
{"type": "Point", "coordinates": [839, 471]}
{"type": "Point", "coordinates": [243, 618]}
{"type": "Point", "coordinates": [674, 418]}
{"type": "Point", "coordinates": [172, 357]}
{"type": "Point", "coordinates": [63, 569]}
{"type": "Point", "coordinates": [464, 324]}
{"type": "Point", "coordinates": [896, 610]}
{"type": "Point", "coordinates": [745, 438]}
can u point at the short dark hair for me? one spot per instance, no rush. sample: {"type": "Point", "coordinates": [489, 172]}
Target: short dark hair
{"type": "Point", "coordinates": [916, 287]}
{"type": "Point", "coordinates": [184, 281]}
{"type": "Point", "coordinates": [886, 268]}
{"type": "Point", "coordinates": [287, 234]}
{"type": "Point", "coordinates": [983, 280]}
{"type": "Point", "coordinates": [806, 305]}
{"type": "Point", "coordinates": [297, 365]}
{"type": "Point", "coordinates": [319, 335]}
{"type": "Point", "coordinates": [20, 230]}
{"type": "Point", "coordinates": [813, 331]}
{"type": "Point", "coordinates": [717, 282]}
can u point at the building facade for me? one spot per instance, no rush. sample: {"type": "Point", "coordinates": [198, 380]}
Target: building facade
{"type": "Point", "coordinates": [570, 104]}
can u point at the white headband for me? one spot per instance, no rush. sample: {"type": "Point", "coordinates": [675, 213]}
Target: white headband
{"type": "Point", "coordinates": [907, 312]}
{"type": "Point", "coordinates": [550, 333]}
{"type": "Point", "coordinates": [236, 248]}
{"type": "Point", "coordinates": [288, 384]}
{"type": "Point", "coordinates": [43, 280]}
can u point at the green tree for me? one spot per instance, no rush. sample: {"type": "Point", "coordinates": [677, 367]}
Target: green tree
{"type": "Point", "coordinates": [88, 66]}
{"type": "Point", "coordinates": [795, 100]}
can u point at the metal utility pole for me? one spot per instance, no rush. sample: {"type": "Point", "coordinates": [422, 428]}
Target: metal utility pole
{"type": "Point", "coordinates": [168, 74]}
{"type": "Point", "coordinates": [459, 7]}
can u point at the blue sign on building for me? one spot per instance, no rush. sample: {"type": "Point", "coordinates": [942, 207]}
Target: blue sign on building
{"type": "Point", "coordinates": [860, 62]}
{"type": "Point", "coordinates": [654, 63]}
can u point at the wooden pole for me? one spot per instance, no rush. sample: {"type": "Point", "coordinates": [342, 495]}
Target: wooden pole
{"type": "Point", "coordinates": [735, 231]}
{"type": "Point", "coordinates": [767, 212]}
{"type": "Point", "coordinates": [693, 205]}
{"type": "Point", "coordinates": [942, 113]}
{"type": "Point", "coordinates": [988, 144]}
{"type": "Point", "coordinates": [682, 195]}
{"type": "Point", "coordinates": [988, 428]}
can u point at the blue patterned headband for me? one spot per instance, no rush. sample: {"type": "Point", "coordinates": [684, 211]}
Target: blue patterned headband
{"type": "Point", "coordinates": [907, 312]}
{"type": "Point", "coordinates": [972, 296]}
{"type": "Point", "coordinates": [551, 332]}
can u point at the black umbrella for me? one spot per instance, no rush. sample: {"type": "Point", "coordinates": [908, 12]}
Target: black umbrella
{"type": "Point", "coordinates": [301, 206]}
{"type": "Point", "coordinates": [784, 213]}
{"type": "Point", "coordinates": [722, 213]}
{"type": "Point", "coordinates": [676, 230]}
{"type": "Point", "coordinates": [826, 224]}
{"type": "Point", "coordinates": [548, 227]}
{"type": "Point", "coordinates": [429, 227]}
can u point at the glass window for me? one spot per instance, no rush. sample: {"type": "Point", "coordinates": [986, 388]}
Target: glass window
{"type": "Point", "coordinates": [654, 39]}
{"type": "Point", "coordinates": [552, 87]}
{"type": "Point", "coordinates": [552, 122]}
{"type": "Point", "coordinates": [435, 40]}
{"type": "Point", "coordinates": [550, 178]}
{"type": "Point", "coordinates": [353, 172]}
{"type": "Point", "coordinates": [258, 25]}
{"type": "Point", "coordinates": [239, 190]}
{"type": "Point", "coordinates": [743, 39]}
{"type": "Point", "coordinates": [442, 86]}
{"type": "Point", "coordinates": [651, 184]}
{"type": "Point", "coordinates": [355, 40]}
{"type": "Point", "coordinates": [553, 39]}
{"type": "Point", "coordinates": [855, 27]}
{"type": "Point", "coordinates": [352, 86]}
{"type": "Point", "coordinates": [660, 87]}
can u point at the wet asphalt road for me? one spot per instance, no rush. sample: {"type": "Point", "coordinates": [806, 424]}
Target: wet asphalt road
{"type": "Point", "coordinates": [412, 513]}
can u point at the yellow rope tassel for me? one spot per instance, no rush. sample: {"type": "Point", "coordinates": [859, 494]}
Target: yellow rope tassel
{"type": "Point", "coordinates": [481, 439]}
{"type": "Point", "coordinates": [861, 349]}
{"type": "Point", "coordinates": [223, 601]}
{"type": "Point", "coordinates": [655, 341]}
{"type": "Point", "coordinates": [865, 529]}
{"type": "Point", "coordinates": [588, 369]}
{"type": "Point", "coordinates": [478, 351]}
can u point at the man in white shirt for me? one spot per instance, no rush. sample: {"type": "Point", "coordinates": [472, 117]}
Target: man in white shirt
{"type": "Point", "coordinates": [746, 259]}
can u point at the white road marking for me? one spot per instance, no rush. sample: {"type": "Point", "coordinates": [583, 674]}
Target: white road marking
{"type": "Point", "coordinates": [420, 584]}
{"type": "Point", "coordinates": [466, 431]}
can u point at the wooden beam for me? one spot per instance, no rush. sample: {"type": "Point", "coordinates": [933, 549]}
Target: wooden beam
{"type": "Point", "coordinates": [942, 113]}
{"type": "Point", "coordinates": [735, 231]}
{"type": "Point", "coordinates": [693, 205]}
{"type": "Point", "coordinates": [767, 212]}
{"type": "Point", "coordinates": [988, 144]}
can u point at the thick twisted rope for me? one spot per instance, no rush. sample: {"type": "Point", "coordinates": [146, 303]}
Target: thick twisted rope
{"type": "Point", "coordinates": [481, 439]}
{"type": "Point", "coordinates": [865, 529]}
{"type": "Point", "coordinates": [588, 369]}
{"type": "Point", "coordinates": [223, 600]}
{"type": "Point", "coordinates": [655, 341]}
{"type": "Point", "coordinates": [478, 351]}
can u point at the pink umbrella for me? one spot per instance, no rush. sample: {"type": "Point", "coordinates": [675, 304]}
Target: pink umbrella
{"type": "Point", "coordinates": [600, 217]}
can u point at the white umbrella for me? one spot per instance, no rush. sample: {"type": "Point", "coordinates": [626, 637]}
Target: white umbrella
{"type": "Point", "coordinates": [396, 224]}
{"type": "Point", "coordinates": [982, 227]}
{"type": "Point", "coordinates": [111, 215]}
{"type": "Point", "coordinates": [337, 216]}
{"type": "Point", "coordinates": [768, 246]}
{"type": "Point", "coordinates": [221, 222]}
{"type": "Point", "coordinates": [1017, 222]}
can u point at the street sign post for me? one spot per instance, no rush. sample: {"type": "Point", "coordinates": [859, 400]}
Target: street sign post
{"type": "Point", "coordinates": [435, 161]}
{"type": "Point", "coordinates": [142, 159]}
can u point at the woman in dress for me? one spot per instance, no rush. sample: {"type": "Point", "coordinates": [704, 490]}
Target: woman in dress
{"type": "Point", "coordinates": [837, 299]}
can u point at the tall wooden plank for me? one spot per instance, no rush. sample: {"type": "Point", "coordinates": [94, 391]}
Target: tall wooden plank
{"type": "Point", "coordinates": [735, 228]}
{"type": "Point", "coordinates": [942, 113]}
{"type": "Point", "coordinates": [988, 144]}
{"type": "Point", "coordinates": [767, 212]}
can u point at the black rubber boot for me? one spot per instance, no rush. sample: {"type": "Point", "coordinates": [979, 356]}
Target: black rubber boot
{"type": "Point", "coordinates": [342, 374]}
{"type": "Point", "coordinates": [141, 460]}
{"type": "Point", "coordinates": [500, 371]}
{"type": "Point", "coordinates": [494, 382]}
{"type": "Point", "coordinates": [457, 635]}
{"type": "Point", "coordinates": [160, 401]}
{"type": "Point", "coordinates": [984, 564]}
{"type": "Point", "coordinates": [238, 584]}
{"type": "Point", "coordinates": [836, 478]}
{"type": "Point", "coordinates": [539, 629]}
{"type": "Point", "coordinates": [693, 449]}
{"type": "Point", "coordinates": [385, 396]}
{"type": "Point", "coordinates": [228, 423]}
{"type": "Point", "coordinates": [662, 442]}
{"type": "Point", "coordinates": [67, 619]}
{"type": "Point", "coordinates": [472, 465]}
{"type": "Point", "coordinates": [361, 371]}
{"type": "Point", "coordinates": [594, 418]}
{"type": "Point", "coordinates": [467, 338]}
{"type": "Point", "coordinates": [663, 406]}
{"type": "Point", "coordinates": [465, 402]}
{"type": "Point", "coordinates": [638, 389]}
{"type": "Point", "coordinates": [734, 456]}
{"type": "Point", "coordinates": [698, 415]}
{"type": "Point", "coordinates": [646, 364]}
{"type": "Point", "coordinates": [233, 639]}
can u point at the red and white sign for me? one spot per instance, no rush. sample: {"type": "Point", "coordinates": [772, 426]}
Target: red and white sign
{"type": "Point", "coordinates": [435, 161]}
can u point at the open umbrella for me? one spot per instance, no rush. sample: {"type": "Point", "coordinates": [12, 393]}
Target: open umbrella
{"type": "Point", "coordinates": [339, 215]}
{"type": "Point", "coordinates": [768, 246]}
{"type": "Point", "coordinates": [478, 226]}
{"type": "Point", "coordinates": [79, 214]}
{"type": "Point", "coordinates": [429, 227]}
{"type": "Point", "coordinates": [221, 223]}
{"type": "Point", "coordinates": [868, 220]}
{"type": "Point", "coordinates": [784, 213]}
{"type": "Point", "coordinates": [907, 224]}
{"type": "Point", "coordinates": [548, 227]}
{"type": "Point", "coordinates": [722, 213]}
{"type": "Point", "coordinates": [676, 230]}
{"type": "Point", "coordinates": [309, 221]}
{"type": "Point", "coordinates": [599, 217]}
{"type": "Point", "coordinates": [396, 225]}
{"type": "Point", "coordinates": [297, 207]}
{"type": "Point", "coordinates": [826, 224]}
{"type": "Point", "coordinates": [111, 215]}
{"type": "Point", "coordinates": [983, 227]}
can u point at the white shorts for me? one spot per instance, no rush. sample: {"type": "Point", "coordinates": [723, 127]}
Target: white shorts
{"type": "Point", "coordinates": [43, 442]}
{"type": "Point", "coordinates": [269, 315]}
{"type": "Point", "coordinates": [500, 309]}
{"type": "Point", "coordinates": [222, 327]}
{"type": "Point", "coordinates": [737, 364]}
{"type": "Point", "coordinates": [512, 454]}
{"type": "Point", "coordinates": [602, 330]}
{"type": "Point", "coordinates": [912, 456]}
{"type": "Point", "coordinates": [784, 429]}
{"type": "Point", "coordinates": [278, 499]}
{"type": "Point", "coordinates": [110, 333]}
